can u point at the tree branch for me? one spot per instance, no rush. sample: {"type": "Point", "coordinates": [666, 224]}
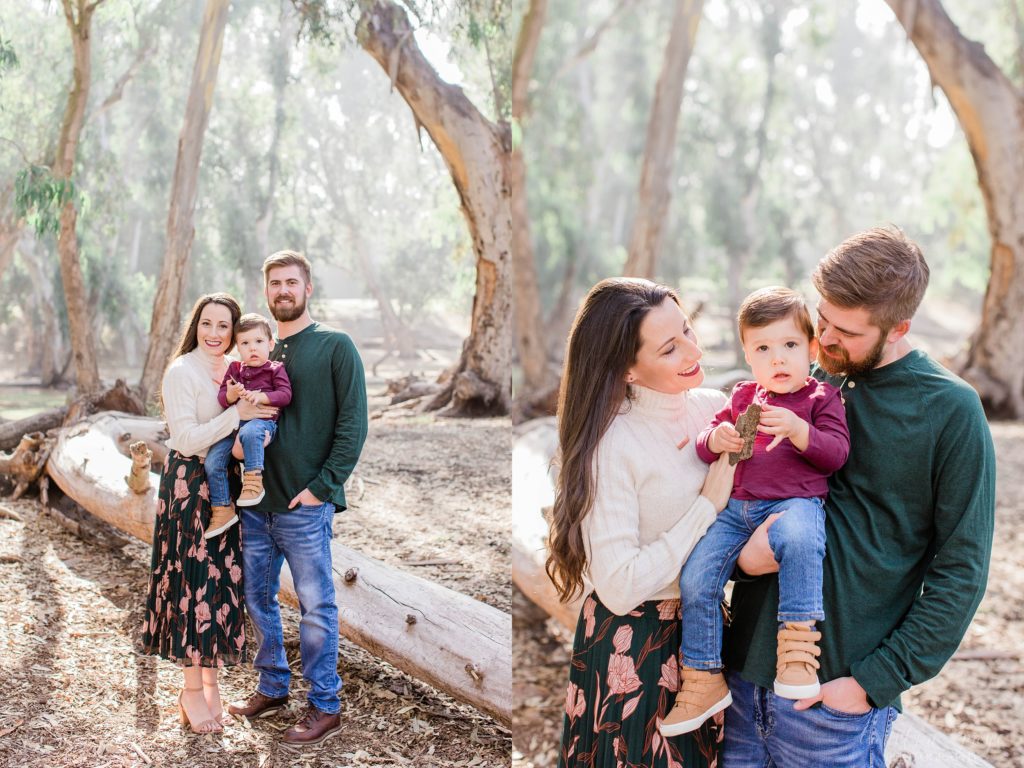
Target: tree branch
{"type": "Point", "coordinates": [589, 45]}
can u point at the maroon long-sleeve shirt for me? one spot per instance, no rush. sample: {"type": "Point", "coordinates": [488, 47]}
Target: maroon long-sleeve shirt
{"type": "Point", "coordinates": [787, 473]}
{"type": "Point", "coordinates": [270, 377]}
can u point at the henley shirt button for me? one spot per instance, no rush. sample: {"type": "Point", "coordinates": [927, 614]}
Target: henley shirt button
{"type": "Point", "coordinates": [851, 384]}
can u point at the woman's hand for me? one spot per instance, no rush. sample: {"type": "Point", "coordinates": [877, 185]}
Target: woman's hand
{"type": "Point", "coordinates": [247, 411]}
{"type": "Point", "coordinates": [756, 557]}
{"type": "Point", "coordinates": [718, 484]}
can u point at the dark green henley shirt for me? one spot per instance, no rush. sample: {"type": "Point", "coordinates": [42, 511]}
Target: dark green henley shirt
{"type": "Point", "coordinates": [321, 432]}
{"type": "Point", "coordinates": [909, 521]}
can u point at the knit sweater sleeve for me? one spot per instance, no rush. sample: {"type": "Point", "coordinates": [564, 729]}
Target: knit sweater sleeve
{"type": "Point", "coordinates": [180, 396]}
{"type": "Point", "coordinates": [624, 572]}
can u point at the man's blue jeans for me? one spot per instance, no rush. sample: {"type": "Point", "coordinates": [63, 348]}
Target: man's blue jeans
{"type": "Point", "coordinates": [302, 537]}
{"type": "Point", "coordinates": [251, 434]}
{"type": "Point", "coordinates": [763, 730]}
{"type": "Point", "coordinates": [798, 541]}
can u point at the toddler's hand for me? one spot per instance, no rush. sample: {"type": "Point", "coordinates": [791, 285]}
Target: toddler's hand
{"type": "Point", "coordinates": [782, 422]}
{"type": "Point", "coordinates": [252, 397]}
{"type": "Point", "coordinates": [725, 439]}
{"type": "Point", "coordinates": [234, 391]}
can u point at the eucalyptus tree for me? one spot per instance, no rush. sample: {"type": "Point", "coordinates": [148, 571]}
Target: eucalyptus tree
{"type": "Point", "coordinates": [184, 188]}
{"type": "Point", "coordinates": [990, 109]}
{"type": "Point", "coordinates": [475, 149]}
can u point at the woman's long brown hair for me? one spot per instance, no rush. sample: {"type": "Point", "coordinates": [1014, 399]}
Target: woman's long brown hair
{"type": "Point", "coordinates": [603, 344]}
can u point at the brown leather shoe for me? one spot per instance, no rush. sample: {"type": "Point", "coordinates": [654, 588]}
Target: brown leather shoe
{"type": "Point", "coordinates": [313, 727]}
{"type": "Point", "coordinates": [256, 706]}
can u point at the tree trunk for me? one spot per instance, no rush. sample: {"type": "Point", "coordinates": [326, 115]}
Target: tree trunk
{"type": "Point", "coordinates": [280, 67]}
{"type": "Point", "coordinates": [990, 110]}
{"type": "Point", "coordinates": [87, 374]}
{"type": "Point", "coordinates": [448, 640]}
{"type": "Point", "coordinates": [530, 340]}
{"type": "Point", "coordinates": [164, 326]}
{"type": "Point", "coordinates": [659, 151]}
{"type": "Point", "coordinates": [476, 153]}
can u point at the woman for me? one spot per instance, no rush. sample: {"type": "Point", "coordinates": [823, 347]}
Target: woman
{"type": "Point", "coordinates": [632, 499]}
{"type": "Point", "coordinates": [194, 612]}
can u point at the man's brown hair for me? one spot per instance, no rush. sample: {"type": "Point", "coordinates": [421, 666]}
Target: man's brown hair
{"type": "Point", "coordinates": [287, 259]}
{"type": "Point", "coordinates": [766, 305]}
{"type": "Point", "coordinates": [252, 320]}
{"type": "Point", "coordinates": [880, 270]}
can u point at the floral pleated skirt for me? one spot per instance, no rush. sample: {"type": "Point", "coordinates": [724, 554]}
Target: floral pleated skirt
{"type": "Point", "coordinates": [195, 613]}
{"type": "Point", "coordinates": [622, 682]}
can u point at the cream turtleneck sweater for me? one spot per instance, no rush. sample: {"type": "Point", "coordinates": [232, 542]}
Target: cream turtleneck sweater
{"type": "Point", "coordinates": [648, 512]}
{"type": "Point", "coordinates": [195, 420]}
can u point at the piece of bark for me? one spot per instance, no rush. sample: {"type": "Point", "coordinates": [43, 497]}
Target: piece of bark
{"type": "Point", "coordinates": [746, 425]}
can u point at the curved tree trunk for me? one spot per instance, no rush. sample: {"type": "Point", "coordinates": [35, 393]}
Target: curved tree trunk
{"type": "Point", "coordinates": [476, 153]}
{"type": "Point", "coordinates": [990, 110]}
{"type": "Point", "coordinates": [659, 151]}
{"type": "Point", "coordinates": [164, 327]}
{"type": "Point", "coordinates": [530, 341]}
{"type": "Point", "coordinates": [78, 15]}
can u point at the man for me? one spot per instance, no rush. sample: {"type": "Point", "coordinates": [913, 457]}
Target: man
{"type": "Point", "coordinates": [320, 435]}
{"type": "Point", "coordinates": [909, 523]}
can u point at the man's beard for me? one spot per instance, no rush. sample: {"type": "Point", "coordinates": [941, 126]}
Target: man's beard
{"type": "Point", "coordinates": [287, 313]}
{"type": "Point", "coordinates": [840, 363]}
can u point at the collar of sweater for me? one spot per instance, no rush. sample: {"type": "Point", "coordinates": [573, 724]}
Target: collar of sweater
{"type": "Point", "coordinates": [658, 404]}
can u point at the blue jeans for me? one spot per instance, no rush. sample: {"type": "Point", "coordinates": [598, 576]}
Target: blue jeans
{"type": "Point", "coordinates": [763, 730]}
{"type": "Point", "coordinates": [251, 435]}
{"type": "Point", "coordinates": [798, 541]}
{"type": "Point", "coordinates": [302, 537]}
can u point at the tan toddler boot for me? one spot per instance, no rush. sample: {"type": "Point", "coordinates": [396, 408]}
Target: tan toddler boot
{"type": "Point", "coordinates": [221, 519]}
{"type": "Point", "coordinates": [252, 488]}
{"type": "Point", "coordinates": [703, 694]}
{"type": "Point", "coordinates": [796, 673]}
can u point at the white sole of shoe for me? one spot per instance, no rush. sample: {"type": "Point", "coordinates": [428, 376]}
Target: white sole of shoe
{"type": "Point", "coordinates": [797, 691]}
{"type": "Point", "coordinates": [677, 729]}
{"type": "Point", "coordinates": [250, 502]}
{"type": "Point", "coordinates": [221, 529]}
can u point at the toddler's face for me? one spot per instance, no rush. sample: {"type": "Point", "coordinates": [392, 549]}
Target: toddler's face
{"type": "Point", "coordinates": [253, 347]}
{"type": "Point", "coordinates": [779, 355]}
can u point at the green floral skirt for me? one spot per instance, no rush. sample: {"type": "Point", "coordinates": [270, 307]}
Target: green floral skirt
{"type": "Point", "coordinates": [195, 613]}
{"type": "Point", "coordinates": [622, 682]}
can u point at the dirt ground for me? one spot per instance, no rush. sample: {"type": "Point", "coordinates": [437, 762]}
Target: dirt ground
{"type": "Point", "coordinates": [977, 699]}
{"type": "Point", "coordinates": [76, 693]}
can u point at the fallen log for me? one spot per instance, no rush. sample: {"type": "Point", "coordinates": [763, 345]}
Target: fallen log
{"type": "Point", "coordinates": [450, 641]}
{"type": "Point", "coordinates": [913, 743]}
{"type": "Point", "coordinates": [26, 463]}
{"type": "Point", "coordinates": [533, 480]}
{"type": "Point", "coordinates": [11, 432]}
